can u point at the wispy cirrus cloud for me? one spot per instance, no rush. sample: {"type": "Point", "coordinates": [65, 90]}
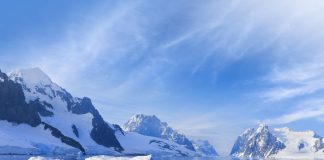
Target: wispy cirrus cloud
{"type": "Point", "coordinates": [309, 109]}
{"type": "Point", "coordinates": [98, 36]}
{"type": "Point", "coordinates": [103, 39]}
{"type": "Point", "coordinates": [297, 64]}
{"type": "Point", "coordinates": [299, 80]}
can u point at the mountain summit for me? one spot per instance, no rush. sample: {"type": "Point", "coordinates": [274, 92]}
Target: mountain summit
{"type": "Point", "coordinates": [38, 116]}
{"type": "Point", "coordinates": [204, 148]}
{"type": "Point", "coordinates": [150, 125]}
{"type": "Point", "coordinates": [30, 76]}
{"type": "Point", "coordinates": [256, 143]}
{"type": "Point", "coordinates": [74, 121]}
{"type": "Point", "coordinates": [264, 142]}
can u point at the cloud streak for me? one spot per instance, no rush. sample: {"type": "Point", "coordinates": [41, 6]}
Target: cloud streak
{"type": "Point", "coordinates": [310, 109]}
{"type": "Point", "coordinates": [296, 81]}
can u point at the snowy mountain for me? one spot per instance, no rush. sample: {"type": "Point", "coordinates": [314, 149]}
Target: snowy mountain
{"type": "Point", "coordinates": [257, 143]}
{"type": "Point", "coordinates": [135, 143]}
{"type": "Point", "coordinates": [302, 145]}
{"type": "Point", "coordinates": [39, 117]}
{"type": "Point", "coordinates": [152, 126]}
{"type": "Point", "coordinates": [204, 148]}
{"type": "Point", "coordinates": [278, 143]}
{"type": "Point", "coordinates": [75, 118]}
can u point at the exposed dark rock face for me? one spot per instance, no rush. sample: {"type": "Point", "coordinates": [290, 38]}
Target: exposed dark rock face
{"type": "Point", "coordinates": [41, 108]}
{"type": "Point", "coordinates": [43, 92]}
{"type": "Point", "coordinates": [67, 140]}
{"type": "Point", "coordinates": [13, 107]}
{"type": "Point", "coordinates": [319, 144]}
{"type": "Point", "coordinates": [75, 130]}
{"type": "Point", "coordinates": [301, 146]}
{"type": "Point", "coordinates": [167, 146]}
{"type": "Point", "coordinates": [83, 107]}
{"type": "Point", "coordinates": [101, 133]}
{"type": "Point", "coordinates": [67, 97]}
{"type": "Point", "coordinates": [257, 143]}
{"type": "Point", "coordinates": [152, 126]}
{"type": "Point", "coordinates": [118, 129]}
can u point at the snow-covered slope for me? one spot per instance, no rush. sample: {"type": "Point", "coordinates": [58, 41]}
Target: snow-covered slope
{"type": "Point", "coordinates": [152, 126]}
{"type": "Point", "coordinates": [119, 158]}
{"type": "Point", "coordinates": [301, 145]}
{"type": "Point", "coordinates": [73, 117]}
{"type": "Point", "coordinates": [30, 97]}
{"type": "Point", "coordinates": [256, 143]}
{"type": "Point", "coordinates": [135, 143]}
{"type": "Point", "coordinates": [17, 139]}
{"type": "Point", "coordinates": [39, 117]}
{"type": "Point", "coordinates": [278, 143]}
{"type": "Point", "coordinates": [204, 148]}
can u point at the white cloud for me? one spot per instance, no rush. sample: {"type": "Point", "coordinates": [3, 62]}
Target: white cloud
{"type": "Point", "coordinates": [309, 109]}
{"type": "Point", "coordinates": [297, 74]}
{"type": "Point", "coordinates": [296, 81]}
{"type": "Point", "coordinates": [298, 55]}
{"type": "Point", "coordinates": [236, 29]}
{"type": "Point", "coordinates": [281, 93]}
{"type": "Point", "coordinates": [107, 35]}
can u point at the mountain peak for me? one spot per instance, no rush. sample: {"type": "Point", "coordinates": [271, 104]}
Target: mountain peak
{"type": "Point", "coordinates": [143, 123]}
{"type": "Point", "coordinates": [257, 143]}
{"type": "Point", "coordinates": [58, 123]}
{"type": "Point", "coordinates": [277, 142]}
{"type": "Point", "coordinates": [36, 83]}
{"type": "Point", "coordinates": [138, 119]}
{"type": "Point", "coordinates": [204, 148]}
{"type": "Point", "coordinates": [262, 127]}
{"type": "Point", "coordinates": [150, 125]}
{"type": "Point", "coordinates": [144, 116]}
{"type": "Point", "coordinates": [31, 75]}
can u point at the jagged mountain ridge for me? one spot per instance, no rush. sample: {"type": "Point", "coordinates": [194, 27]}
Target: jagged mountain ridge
{"type": "Point", "coordinates": [278, 143]}
{"type": "Point", "coordinates": [55, 122]}
{"type": "Point", "coordinates": [39, 89]}
{"type": "Point", "coordinates": [256, 143]}
{"type": "Point", "coordinates": [204, 148]}
{"type": "Point", "coordinates": [150, 125]}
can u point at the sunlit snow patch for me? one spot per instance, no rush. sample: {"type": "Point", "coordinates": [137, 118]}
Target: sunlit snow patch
{"type": "Point", "coordinates": [119, 158]}
{"type": "Point", "coordinates": [41, 158]}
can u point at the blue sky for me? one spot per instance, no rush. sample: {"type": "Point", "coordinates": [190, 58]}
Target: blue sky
{"type": "Point", "coordinates": [209, 69]}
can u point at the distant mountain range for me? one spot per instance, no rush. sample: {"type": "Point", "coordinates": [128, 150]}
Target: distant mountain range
{"type": "Point", "coordinates": [38, 116]}
{"type": "Point", "coordinates": [264, 142]}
